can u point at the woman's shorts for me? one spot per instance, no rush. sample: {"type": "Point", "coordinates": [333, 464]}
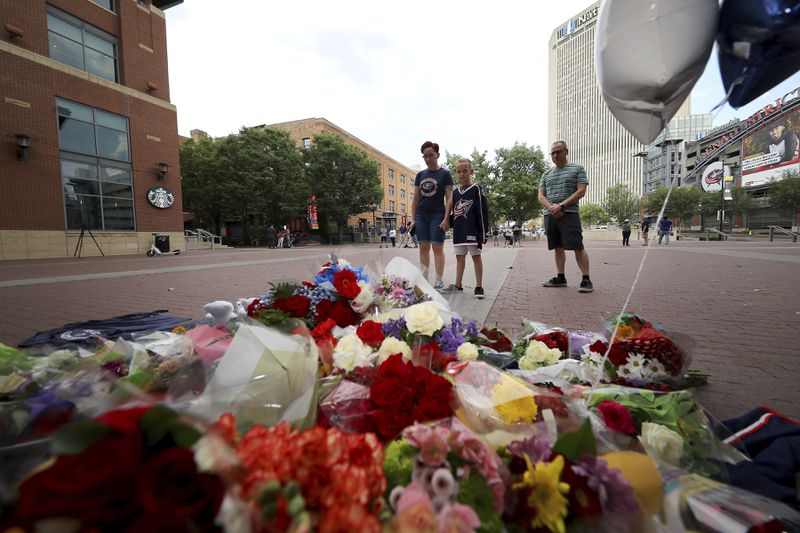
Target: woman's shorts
{"type": "Point", "coordinates": [428, 229]}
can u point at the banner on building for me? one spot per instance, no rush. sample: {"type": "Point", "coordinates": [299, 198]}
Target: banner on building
{"type": "Point", "coordinates": [771, 151]}
{"type": "Point", "coordinates": [312, 213]}
{"type": "Point", "coordinates": [712, 176]}
{"type": "Point", "coordinates": [727, 188]}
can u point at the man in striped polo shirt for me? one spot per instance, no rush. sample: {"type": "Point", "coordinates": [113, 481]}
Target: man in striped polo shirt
{"type": "Point", "coordinates": [560, 190]}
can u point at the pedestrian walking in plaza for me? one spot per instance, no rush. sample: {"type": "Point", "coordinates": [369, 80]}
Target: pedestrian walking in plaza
{"type": "Point", "coordinates": [496, 235]}
{"type": "Point", "coordinates": [562, 187]}
{"type": "Point", "coordinates": [433, 200]}
{"type": "Point", "coordinates": [626, 232]}
{"type": "Point", "coordinates": [393, 237]}
{"type": "Point", "coordinates": [645, 230]}
{"type": "Point", "coordinates": [402, 242]}
{"type": "Point", "coordinates": [272, 236]}
{"type": "Point", "coordinates": [281, 236]}
{"type": "Point", "coordinates": [516, 232]}
{"type": "Point", "coordinates": [470, 218]}
{"type": "Point", "coordinates": [384, 237]}
{"type": "Point", "coordinates": [412, 230]}
{"type": "Point", "coordinates": [664, 229]}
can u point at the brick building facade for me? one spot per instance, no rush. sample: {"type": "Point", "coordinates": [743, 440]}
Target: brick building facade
{"type": "Point", "coordinates": [397, 180]}
{"type": "Point", "coordinates": [84, 83]}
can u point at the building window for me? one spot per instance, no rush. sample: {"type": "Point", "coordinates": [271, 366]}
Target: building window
{"type": "Point", "coordinates": [108, 4]}
{"type": "Point", "coordinates": [306, 143]}
{"type": "Point", "coordinates": [391, 205]}
{"type": "Point", "coordinates": [391, 174]}
{"type": "Point", "coordinates": [402, 179]}
{"type": "Point", "coordinates": [75, 43]}
{"type": "Point", "coordinates": [95, 168]}
{"type": "Point", "coordinates": [402, 194]}
{"type": "Point", "coordinates": [391, 190]}
{"type": "Point", "coordinates": [402, 208]}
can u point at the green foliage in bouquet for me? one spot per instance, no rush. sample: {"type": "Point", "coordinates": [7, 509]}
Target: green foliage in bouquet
{"type": "Point", "coordinates": [398, 463]}
{"type": "Point", "coordinates": [283, 290]}
{"type": "Point", "coordinates": [475, 492]}
{"type": "Point", "coordinates": [676, 411]}
{"type": "Point", "coordinates": [12, 359]}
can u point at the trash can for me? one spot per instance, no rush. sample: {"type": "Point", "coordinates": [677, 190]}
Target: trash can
{"type": "Point", "coordinates": [162, 243]}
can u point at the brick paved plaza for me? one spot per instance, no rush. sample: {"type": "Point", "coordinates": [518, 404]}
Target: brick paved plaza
{"type": "Point", "coordinates": [737, 304]}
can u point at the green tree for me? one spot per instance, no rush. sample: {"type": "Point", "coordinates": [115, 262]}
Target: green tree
{"type": "Point", "coordinates": [517, 172]}
{"type": "Point", "coordinates": [592, 214]}
{"type": "Point", "coordinates": [621, 203]}
{"type": "Point", "coordinates": [203, 183]}
{"type": "Point", "coordinates": [343, 177]}
{"type": "Point", "coordinates": [742, 203]}
{"type": "Point", "coordinates": [683, 202]}
{"type": "Point", "coordinates": [784, 194]}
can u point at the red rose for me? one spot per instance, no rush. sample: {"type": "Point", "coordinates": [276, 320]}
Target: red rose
{"type": "Point", "coordinates": [254, 307]}
{"type": "Point", "coordinates": [343, 314]}
{"type": "Point", "coordinates": [346, 283]}
{"type": "Point", "coordinates": [618, 356]}
{"type": "Point", "coordinates": [296, 306]}
{"type": "Point", "coordinates": [174, 490]}
{"type": "Point", "coordinates": [371, 332]}
{"type": "Point", "coordinates": [617, 417]}
{"type": "Point", "coordinates": [323, 310]}
{"type": "Point", "coordinates": [97, 487]}
{"type": "Point", "coordinates": [547, 340]}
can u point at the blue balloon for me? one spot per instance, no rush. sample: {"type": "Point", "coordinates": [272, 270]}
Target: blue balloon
{"type": "Point", "coordinates": [759, 46]}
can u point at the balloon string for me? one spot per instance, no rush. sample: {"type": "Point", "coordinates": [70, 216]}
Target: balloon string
{"type": "Point", "coordinates": [718, 107]}
{"type": "Point", "coordinates": [597, 375]}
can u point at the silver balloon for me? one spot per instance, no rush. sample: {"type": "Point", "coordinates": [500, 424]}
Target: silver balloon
{"type": "Point", "coordinates": [649, 55]}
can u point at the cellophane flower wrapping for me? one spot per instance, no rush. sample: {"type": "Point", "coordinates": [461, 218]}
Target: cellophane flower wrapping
{"type": "Point", "coordinates": [502, 407]}
{"type": "Point", "coordinates": [141, 467]}
{"type": "Point", "coordinates": [644, 351]}
{"type": "Point", "coordinates": [266, 376]}
{"type": "Point", "coordinates": [670, 427]}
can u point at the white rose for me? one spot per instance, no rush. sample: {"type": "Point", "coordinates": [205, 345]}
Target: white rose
{"type": "Point", "coordinates": [364, 299]}
{"type": "Point", "coordinates": [423, 319]}
{"type": "Point", "coordinates": [662, 443]}
{"type": "Point", "coordinates": [537, 355]}
{"type": "Point", "coordinates": [391, 346]}
{"type": "Point", "coordinates": [467, 352]}
{"type": "Point", "coordinates": [351, 352]}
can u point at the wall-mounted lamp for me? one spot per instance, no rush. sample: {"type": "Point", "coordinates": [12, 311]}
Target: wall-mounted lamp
{"type": "Point", "coordinates": [162, 170]}
{"type": "Point", "coordinates": [23, 143]}
{"type": "Point", "coordinates": [151, 87]}
{"type": "Point", "coordinates": [14, 32]}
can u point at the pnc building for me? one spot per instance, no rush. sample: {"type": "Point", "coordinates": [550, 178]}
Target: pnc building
{"type": "Point", "coordinates": [579, 116]}
{"type": "Point", "coordinates": [88, 136]}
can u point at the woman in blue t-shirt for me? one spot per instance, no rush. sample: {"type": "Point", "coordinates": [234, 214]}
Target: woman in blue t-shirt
{"type": "Point", "coordinates": [433, 199]}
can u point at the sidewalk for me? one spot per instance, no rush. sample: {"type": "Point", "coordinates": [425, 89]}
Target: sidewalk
{"type": "Point", "coordinates": [737, 303]}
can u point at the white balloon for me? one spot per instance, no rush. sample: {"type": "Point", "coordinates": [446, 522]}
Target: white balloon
{"type": "Point", "coordinates": [648, 56]}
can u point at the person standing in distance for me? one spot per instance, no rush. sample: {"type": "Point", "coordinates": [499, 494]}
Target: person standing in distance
{"type": "Point", "coordinates": [433, 200]}
{"type": "Point", "coordinates": [561, 188]}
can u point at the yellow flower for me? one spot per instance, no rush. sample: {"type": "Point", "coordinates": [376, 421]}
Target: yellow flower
{"type": "Point", "coordinates": [546, 496]}
{"type": "Point", "coordinates": [514, 401]}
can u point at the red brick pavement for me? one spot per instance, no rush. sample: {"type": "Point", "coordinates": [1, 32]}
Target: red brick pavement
{"type": "Point", "coordinates": [741, 314]}
{"type": "Point", "coordinates": [741, 310]}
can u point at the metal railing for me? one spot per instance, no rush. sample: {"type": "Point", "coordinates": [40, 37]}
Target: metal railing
{"type": "Point", "coordinates": [722, 236]}
{"type": "Point", "coordinates": [680, 236]}
{"type": "Point", "coordinates": [773, 229]}
{"type": "Point", "coordinates": [201, 235]}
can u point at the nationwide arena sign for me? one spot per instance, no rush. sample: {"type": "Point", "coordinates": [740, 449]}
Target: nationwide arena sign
{"type": "Point", "coordinates": [762, 115]}
{"type": "Point", "coordinates": [587, 16]}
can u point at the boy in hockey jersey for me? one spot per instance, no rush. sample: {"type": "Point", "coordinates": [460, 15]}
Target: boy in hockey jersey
{"type": "Point", "coordinates": [470, 223]}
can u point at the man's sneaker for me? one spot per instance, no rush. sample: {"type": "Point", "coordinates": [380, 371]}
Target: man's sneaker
{"type": "Point", "coordinates": [586, 286]}
{"type": "Point", "coordinates": [555, 282]}
{"type": "Point", "coordinates": [439, 285]}
{"type": "Point", "coordinates": [479, 293]}
{"type": "Point", "coordinates": [452, 288]}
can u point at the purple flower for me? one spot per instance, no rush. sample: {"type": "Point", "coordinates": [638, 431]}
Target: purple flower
{"type": "Point", "coordinates": [616, 494]}
{"type": "Point", "coordinates": [472, 329]}
{"type": "Point", "coordinates": [393, 328]}
{"type": "Point", "coordinates": [536, 448]}
{"type": "Point", "coordinates": [448, 341]}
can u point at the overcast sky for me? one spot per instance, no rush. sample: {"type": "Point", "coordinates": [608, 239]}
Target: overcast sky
{"type": "Point", "coordinates": [464, 74]}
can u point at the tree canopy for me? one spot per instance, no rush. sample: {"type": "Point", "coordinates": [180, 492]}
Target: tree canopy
{"type": "Point", "coordinates": [592, 214]}
{"type": "Point", "coordinates": [517, 172]}
{"type": "Point", "coordinates": [343, 178]}
{"type": "Point", "coordinates": [784, 194]}
{"type": "Point", "coordinates": [620, 203]}
{"type": "Point", "coordinates": [683, 202]}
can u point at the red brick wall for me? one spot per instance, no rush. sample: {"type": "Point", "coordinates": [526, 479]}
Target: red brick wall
{"type": "Point", "coordinates": [31, 190]}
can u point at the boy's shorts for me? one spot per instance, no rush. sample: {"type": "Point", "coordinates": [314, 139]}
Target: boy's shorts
{"type": "Point", "coordinates": [464, 249]}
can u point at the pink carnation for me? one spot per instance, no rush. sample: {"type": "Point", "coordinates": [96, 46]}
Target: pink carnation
{"type": "Point", "coordinates": [431, 441]}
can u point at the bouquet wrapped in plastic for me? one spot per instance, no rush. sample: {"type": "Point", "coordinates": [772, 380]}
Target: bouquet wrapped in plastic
{"type": "Point", "coordinates": [442, 477]}
{"type": "Point", "coordinates": [138, 468]}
